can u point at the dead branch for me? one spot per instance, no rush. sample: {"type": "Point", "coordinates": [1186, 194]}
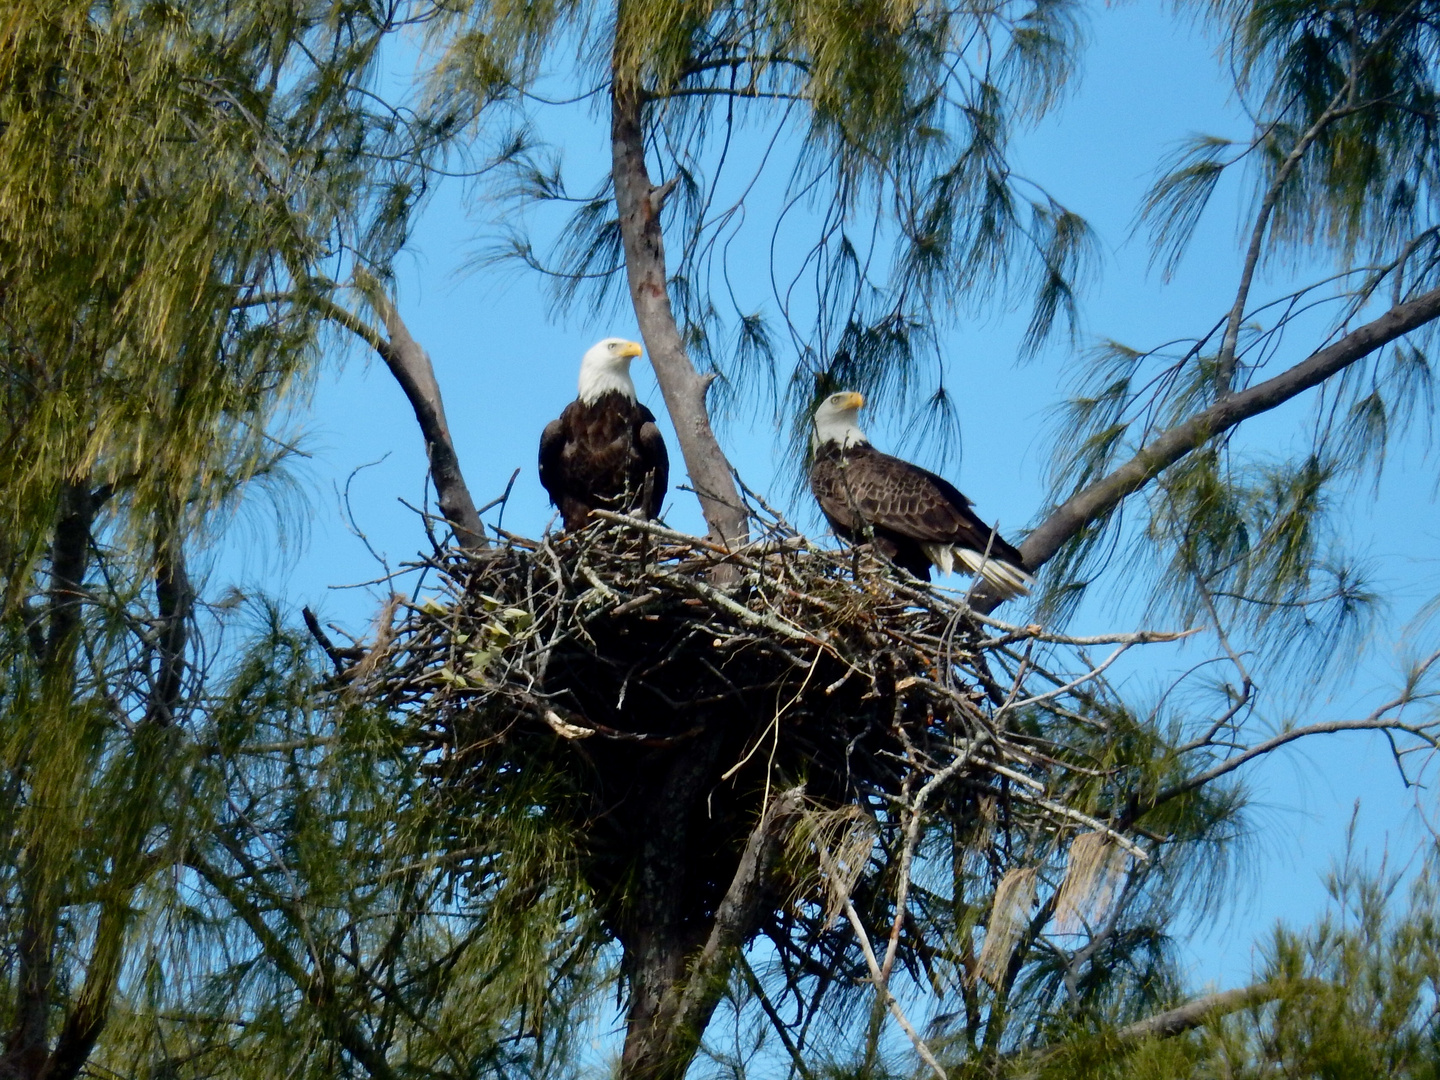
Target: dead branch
{"type": "Point", "coordinates": [411, 366]}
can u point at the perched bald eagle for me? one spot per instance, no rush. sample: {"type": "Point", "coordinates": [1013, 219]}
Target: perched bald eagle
{"type": "Point", "coordinates": [918, 519]}
{"type": "Point", "coordinates": [604, 452]}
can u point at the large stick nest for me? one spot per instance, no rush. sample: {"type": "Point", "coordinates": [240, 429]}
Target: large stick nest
{"type": "Point", "coordinates": [671, 684]}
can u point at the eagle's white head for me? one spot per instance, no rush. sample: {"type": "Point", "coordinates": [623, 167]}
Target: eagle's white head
{"type": "Point", "coordinates": [606, 367]}
{"type": "Point", "coordinates": [837, 420]}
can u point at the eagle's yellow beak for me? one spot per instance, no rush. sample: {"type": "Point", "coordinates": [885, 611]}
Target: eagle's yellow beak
{"type": "Point", "coordinates": [632, 348]}
{"type": "Point", "coordinates": [854, 400]}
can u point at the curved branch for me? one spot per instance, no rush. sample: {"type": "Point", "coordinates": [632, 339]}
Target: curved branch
{"type": "Point", "coordinates": [734, 920]}
{"type": "Point", "coordinates": [1167, 1024]}
{"type": "Point", "coordinates": [316, 988]}
{"type": "Point", "coordinates": [1097, 499]}
{"type": "Point", "coordinates": [411, 366]}
{"type": "Point", "coordinates": [1426, 733]}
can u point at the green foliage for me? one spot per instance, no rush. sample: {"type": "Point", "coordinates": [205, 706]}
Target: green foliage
{"type": "Point", "coordinates": [1352, 996]}
{"type": "Point", "coordinates": [171, 176]}
{"type": "Point", "coordinates": [331, 914]}
{"type": "Point", "coordinates": [218, 861]}
{"type": "Point", "coordinates": [1339, 170]}
{"type": "Point", "coordinates": [178, 183]}
{"type": "Point", "coordinates": [888, 122]}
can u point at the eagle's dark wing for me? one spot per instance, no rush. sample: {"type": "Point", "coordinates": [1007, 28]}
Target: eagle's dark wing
{"type": "Point", "coordinates": [833, 488]}
{"type": "Point", "coordinates": [940, 505]}
{"type": "Point", "coordinates": [656, 459]}
{"type": "Point", "coordinates": [552, 458]}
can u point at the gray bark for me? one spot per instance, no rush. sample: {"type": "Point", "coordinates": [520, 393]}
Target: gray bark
{"type": "Point", "coordinates": [1192, 1014]}
{"type": "Point", "coordinates": [674, 986]}
{"type": "Point", "coordinates": [1165, 1025]}
{"type": "Point", "coordinates": [410, 364]}
{"type": "Point", "coordinates": [1165, 449]}
{"type": "Point", "coordinates": [638, 203]}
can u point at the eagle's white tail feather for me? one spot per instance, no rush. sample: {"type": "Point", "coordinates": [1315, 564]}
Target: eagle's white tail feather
{"type": "Point", "coordinates": [1007, 580]}
{"type": "Point", "coordinates": [941, 555]}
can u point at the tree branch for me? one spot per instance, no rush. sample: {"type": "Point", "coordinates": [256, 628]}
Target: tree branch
{"type": "Point", "coordinates": [176, 601]}
{"type": "Point", "coordinates": [1192, 1014]}
{"type": "Point", "coordinates": [1225, 361]}
{"type": "Point", "coordinates": [1093, 501]}
{"type": "Point", "coordinates": [735, 917]}
{"type": "Point", "coordinates": [411, 366]}
{"type": "Point", "coordinates": [69, 558]}
{"type": "Point", "coordinates": [1167, 1024]}
{"type": "Point", "coordinates": [26, 1043]}
{"type": "Point", "coordinates": [87, 1018]}
{"type": "Point", "coordinates": [682, 386]}
{"type": "Point", "coordinates": [1376, 721]}
{"type": "Point", "coordinates": [314, 985]}
{"type": "Point", "coordinates": [886, 997]}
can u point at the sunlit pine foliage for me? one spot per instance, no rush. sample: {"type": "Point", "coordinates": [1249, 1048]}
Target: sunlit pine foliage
{"type": "Point", "coordinates": [886, 127]}
{"type": "Point", "coordinates": [176, 183]}
{"type": "Point", "coordinates": [1353, 995]}
{"type": "Point", "coordinates": [1339, 217]}
{"type": "Point", "coordinates": [328, 915]}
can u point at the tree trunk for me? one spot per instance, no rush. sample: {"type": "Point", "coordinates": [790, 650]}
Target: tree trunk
{"type": "Point", "coordinates": [654, 933]}
{"type": "Point", "coordinates": [26, 1043]}
{"type": "Point", "coordinates": [678, 965]}
{"type": "Point", "coordinates": [638, 204]}
{"type": "Point", "coordinates": [29, 1053]}
{"type": "Point", "coordinates": [175, 603]}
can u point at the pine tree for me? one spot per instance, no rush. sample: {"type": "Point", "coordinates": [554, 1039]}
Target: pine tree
{"type": "Point", "coordinates": [177, 184]}
{"type": "Point", "coordinates": [268, 857]}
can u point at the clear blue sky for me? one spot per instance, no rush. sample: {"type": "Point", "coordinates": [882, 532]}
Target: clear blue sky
{"type": "Point", "coordinates": [506, 369]}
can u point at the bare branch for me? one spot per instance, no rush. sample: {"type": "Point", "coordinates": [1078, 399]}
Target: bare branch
{"type": "Point", "coordinates": [735, 918]}
{"type": "Point", "coordinates": [887, 998]}
{"type": "Point", "coordinates": [318, 991]}
{"type": "Point", "coordinates": [412, 369]}
{"type": "Point", "coordinates": [682, 386]}
{"type": "Point", "coordinates": [1192, 1014]}
{"type": "Point", "coordinates": [176, 601]}
{"type": "Point", "coordinates": [1096, 499]}
{"type": "Point", "coordinates": [1172, 1022]}
{"type": "Point", "coordinates": [1379, 720]}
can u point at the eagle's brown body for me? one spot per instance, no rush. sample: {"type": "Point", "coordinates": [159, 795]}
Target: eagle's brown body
{"type": "Point", "coordinates": [907, 508]}
{"type": "Point", "coordinates": [607, 454]}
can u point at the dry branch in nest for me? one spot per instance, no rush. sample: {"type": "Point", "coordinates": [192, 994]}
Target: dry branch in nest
{"type": "Point", "coordinates": [666, 709]}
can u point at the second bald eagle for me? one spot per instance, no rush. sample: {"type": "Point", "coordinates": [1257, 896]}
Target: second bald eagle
{"type": "Point", "coordinates": [917, 519]}
{"type": "Point", "coordinates": [604, 452]}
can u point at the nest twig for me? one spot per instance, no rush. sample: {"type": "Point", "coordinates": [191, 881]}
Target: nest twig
{"type": "Point", "coordinates": [612, 649]}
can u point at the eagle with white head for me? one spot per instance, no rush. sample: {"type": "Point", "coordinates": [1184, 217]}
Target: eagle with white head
{"type": "Point", "coordinates": [605, 452]}
{"type": "Point", "coordinates": [917, 519]}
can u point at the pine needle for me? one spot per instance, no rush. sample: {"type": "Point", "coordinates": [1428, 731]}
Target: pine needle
{"type": "Point", "coordinates": [1094, 874]}
{"type": "Point", "coordinates": [1014, 897]}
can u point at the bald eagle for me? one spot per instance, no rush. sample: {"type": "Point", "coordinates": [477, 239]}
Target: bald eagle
{"type": "Point", "coordinates": [604, 452]}
{"type": "Point", "coordinates": [918, 519]}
